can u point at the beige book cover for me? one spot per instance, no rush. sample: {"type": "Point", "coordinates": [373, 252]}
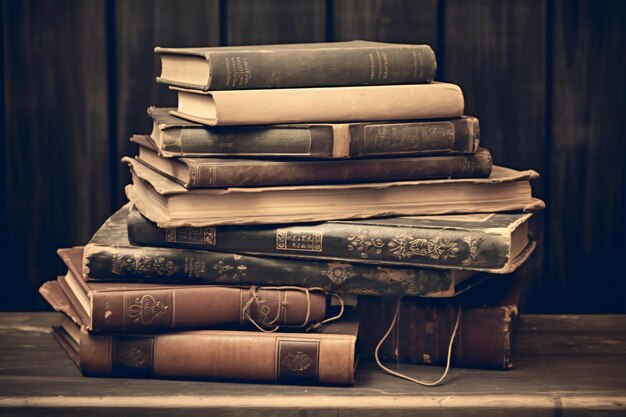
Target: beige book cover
{"type": "Point", "coordinates": [316, 105]}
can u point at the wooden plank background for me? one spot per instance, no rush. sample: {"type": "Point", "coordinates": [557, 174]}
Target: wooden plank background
{"type": "Point", "coordinates": [546, 78]}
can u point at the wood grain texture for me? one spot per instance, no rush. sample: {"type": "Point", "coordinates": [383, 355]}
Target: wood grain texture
{"type": "Point", "coordinates": [56, 137]}
{"type": "Point", "coordinates": [546, 79]}
{"type": "Point", "coordinates": [496, 52]}
{"type": "Point", "coordinates": [588, 201]}
{"type": "Point", "coordinates": [565, 365]}
{"type": "Point", "coordinates": [254, 22]}
{"type": "Point", "coordinates": [400, 21]}
{"type": "Point", "coordinates": [140, 25]}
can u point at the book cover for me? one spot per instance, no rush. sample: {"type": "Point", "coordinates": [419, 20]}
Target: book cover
{"type": "Point", "coordinates": [224, 173]}
{"type": "Point", "coordinates": [321, 105]}
{"type": "Point", "coordinates": [489, 242]}
{"type": "Point", "coordinates": [109, 256]}
{"type": "Point", "coordinates": [296, 65]}
{"type": "Point", "coordinates": [325, 356]}
{"type": "Point", "coordinates": [175, 137]}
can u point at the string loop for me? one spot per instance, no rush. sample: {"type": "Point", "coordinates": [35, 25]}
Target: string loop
{"type": "Point", "coordinates": [408, 378]}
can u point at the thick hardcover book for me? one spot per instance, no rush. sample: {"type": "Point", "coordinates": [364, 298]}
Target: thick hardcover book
{"type": "Point", "coordinates": [489, 312]}
{"type": "Point", "coordinates": [169, 204]}
{"type": "Point", "coordinates": [321, 105]}
{"type": "Point", "coordinates": [128, 306]}
{"type": "Point", "coordinates": [323, 357]}
{"type": "Point", "coordinates": [109, 256]}
{"type": "Point", "coordinates": [175, 137]}
{"type": "Point", "coordinates": [224, 173]}
{"type": "Point", "coordinates": [490, 242]}
{"type": "Point", "coordinates": [297, 65]}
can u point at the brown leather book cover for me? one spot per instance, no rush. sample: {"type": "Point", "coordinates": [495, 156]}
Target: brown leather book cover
{"type": "Point", "coordinates": [220, 173]}
{"type": "Point", "coordinates": [129, 306]}
{"type": "Point", "coordinates": [488, 321]}
{"type": "Point", "coordinates": [323, 357]}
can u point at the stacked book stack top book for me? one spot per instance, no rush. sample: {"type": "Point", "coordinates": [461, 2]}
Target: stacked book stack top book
{"type": "Point", "coordinates": [294, 178]}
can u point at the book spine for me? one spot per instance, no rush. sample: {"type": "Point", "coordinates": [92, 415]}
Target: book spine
{"type": "Point", "coordinates": [483, 339]}
{"type": "Point", "coordinates": [457, 135]}
{"type": "Point", "coordinates": [367, 243]}
{"type": "Point", "coordinates": [244, 173]}
{"type": "Point", "coordinates": [309, 142]}
{"type": "Point", "coordinates": [389, 64]}
{"type": "Point", "coordinates": [136, 264]}
{"type": "Point", "coordinates": [157, 309]}
{"type": "Point", "coordinates": [271, 357]}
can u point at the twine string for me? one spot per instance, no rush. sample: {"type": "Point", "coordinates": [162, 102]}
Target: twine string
{"type": "Point", "coordinates": [270, 326]}
{"type": "Point", "coordinates": [408, 378]}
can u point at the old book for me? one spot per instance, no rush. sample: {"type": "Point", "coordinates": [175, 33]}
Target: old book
{"type": "Point", "coordinates": [171, 205]}
{"type": "Point", "coordinates": [489, 242]}
{"type": "Point", "coordinates": [129, 306]}
{"type": "Point", "coordinates": [321, 105]}
{"type": "Point", "coordinates": [325, 356]}
{"type": "Point", "coordinates": [223, 173]}
{"type": "Point", "coordinates": [489, 312]}
{"type": "Point", "coordinates": [297, 65]}
{"type": "Point", "coordinates": [175, 137]}
{"type": "Point", "coordinates": [109, 256]}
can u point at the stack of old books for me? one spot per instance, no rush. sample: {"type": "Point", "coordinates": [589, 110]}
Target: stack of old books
{"type": "Point", "coordinates": [293, 178]}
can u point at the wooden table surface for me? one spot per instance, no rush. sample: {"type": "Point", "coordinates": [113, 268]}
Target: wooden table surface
{"type": "Point", "coordinates": [564, 365]}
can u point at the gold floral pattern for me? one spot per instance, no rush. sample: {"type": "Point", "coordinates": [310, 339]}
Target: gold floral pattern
{"type": "Point", "coordinates": [363, 243]}
{"type": "Point", "coordinates": [473, 250]}
{"type": "Point", "coordinates": [405, 246]}
{"type": "Point", "coordinates": [144, 264]}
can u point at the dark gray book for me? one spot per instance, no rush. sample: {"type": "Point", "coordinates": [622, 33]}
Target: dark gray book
{"type": "Point", "coordinates": [110, 256]}
{"type": "Point", "coordinates": [175, 137]}
{"type": "Point", "coordinates": [493, 242]}
{"type": "Point", "coordinates": [323, 64]}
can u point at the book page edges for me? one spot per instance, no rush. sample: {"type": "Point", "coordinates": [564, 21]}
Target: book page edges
{"type": "Point", "coordinates": [160, 183]}
{"type": "Point", "coordinates": [168, 222]}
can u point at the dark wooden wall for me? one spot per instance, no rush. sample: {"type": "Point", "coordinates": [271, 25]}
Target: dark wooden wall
{"type": "Point", "coordinates": [545, 77]}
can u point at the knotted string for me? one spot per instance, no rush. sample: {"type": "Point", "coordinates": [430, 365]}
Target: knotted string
{"type": "Point", "coordinates": [408, 378]}
{"type": "Point", "coordinates": [255, 299]}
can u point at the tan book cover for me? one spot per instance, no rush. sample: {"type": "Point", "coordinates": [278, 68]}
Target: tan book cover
{"type": "Point", "coordinates": [318, 105]}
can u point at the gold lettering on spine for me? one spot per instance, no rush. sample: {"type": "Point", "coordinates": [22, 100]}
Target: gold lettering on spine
{"type": "Point", "coordinates": [238, 71]}
{"type": "Point", "coordinates": [301, 240]}
{"type": "Point", "coordinates": [201, 235]}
